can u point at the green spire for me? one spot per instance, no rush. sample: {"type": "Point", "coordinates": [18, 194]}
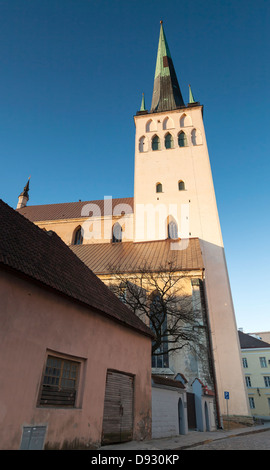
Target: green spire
{"type": "Point", "coordinates": [166, 93]}
{"type": "Point", "coordinates": [143, 103]}
{"type": "Point", "coordinates": [191, 98]}
{"type": "Point", "coordinates": [163, 51]}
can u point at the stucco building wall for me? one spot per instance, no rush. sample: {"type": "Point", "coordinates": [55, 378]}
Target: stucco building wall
{"type": "Point", "coordinates": [95, 229]}
{"type": "Point", "coordinates": [35, 321]}
{"type": "Point", "coordinates": [196, 214]}
{"type": "Point", "coordinates": [169, 416]}
{"type": "Point", "coordinates": [257, 373]}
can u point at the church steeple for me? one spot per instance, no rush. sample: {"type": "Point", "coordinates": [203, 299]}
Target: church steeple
{"type": "Point", "coordinates": [166, 93]}
{"type": "Point", "coordinates": [24, 196]}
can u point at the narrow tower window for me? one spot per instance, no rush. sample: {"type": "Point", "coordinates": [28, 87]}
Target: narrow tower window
{"type": "Point", "coordinates": [78, 237]}
{"type": "Point", "coordinates": [159, 188]}
{"type": "Point", "coordinates": [117, 233]}
{"type": "Point", "coordinates": [181, 185]}
{"type": "Point", "coordinates": [169, 141]}
{"type": "Point", "coordinates": [156, 143]}
{"type": "Point", "coordinates": [182, 139]}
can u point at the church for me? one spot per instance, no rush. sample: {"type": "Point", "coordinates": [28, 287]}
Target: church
{"type": "Point", "coordinates": [171, 219]}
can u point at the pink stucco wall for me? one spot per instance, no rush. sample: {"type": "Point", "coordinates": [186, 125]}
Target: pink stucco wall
{"type": "Point", "coordinates": [34, 320]}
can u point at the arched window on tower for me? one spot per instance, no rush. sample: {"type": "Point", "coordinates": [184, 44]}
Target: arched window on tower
{"type": "Point", "coordinates": [78, 237]}
{"type": "Point", "coordinates": [117, 233]}
{"type": "Point", "coordinates": [142, 144]}
{"type": "Point", "coordinates": [151, 126]}
{"type": "Point", "coordinates": [172, 230]}
{"type": "Point", "coordinates": [182, 139]}
{"type": "Point", "coordinates": [156, 143]}
{"type": "Point", "coordinates": [168, 123]}
{"type": "Point", "coordinates": [158, 188]}
{"type": "Point", "coordinates": [196, 137]}
{"type": "Point", "coordinates": [181, 185]}
{"type": "Point", "coordinates": [185, 120]}
{"type": "Point", "coordinates": [168, 141]}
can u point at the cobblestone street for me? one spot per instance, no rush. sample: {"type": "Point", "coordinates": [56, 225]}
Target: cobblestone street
{"type": "Point", "coordinates": [256, 441]}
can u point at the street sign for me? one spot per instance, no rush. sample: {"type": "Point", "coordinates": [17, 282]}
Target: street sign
{"type": "Point", "coordinates": [226, 395]}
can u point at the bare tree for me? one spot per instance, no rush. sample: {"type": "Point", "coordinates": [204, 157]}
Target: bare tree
{"type": "Point", "coordinates": [161, 300]}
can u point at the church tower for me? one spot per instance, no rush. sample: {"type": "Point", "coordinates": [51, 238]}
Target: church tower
{"type": "Point", "coordinates": [174, 197]}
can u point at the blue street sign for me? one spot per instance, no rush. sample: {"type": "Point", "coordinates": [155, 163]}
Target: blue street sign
{"type": "Point", "coordinates": [226, 395]}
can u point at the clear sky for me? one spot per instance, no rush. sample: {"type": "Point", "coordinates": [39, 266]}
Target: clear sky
{"type": "Point", "coordinates": [70, 67]}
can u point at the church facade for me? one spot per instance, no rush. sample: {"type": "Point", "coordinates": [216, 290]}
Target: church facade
{"type": "Point", "coordinates": [172, 218]}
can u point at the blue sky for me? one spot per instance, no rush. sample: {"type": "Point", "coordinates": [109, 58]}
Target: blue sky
{"type": "Point", "coordinates": [69, 67]}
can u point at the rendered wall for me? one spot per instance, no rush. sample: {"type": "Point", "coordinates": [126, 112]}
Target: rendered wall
{"type": "Point", "coordinates": [165, 414]}
{"type": "Point", "coordinates": [256, 373]}
{"type": "Point", "coordinates": [33, 321]}
{"type": "Point", "coordinates": [195, 211]}
{"type": "Point", "coordinates": [96, 229]}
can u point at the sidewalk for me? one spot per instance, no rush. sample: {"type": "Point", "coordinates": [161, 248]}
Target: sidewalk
{"type": "Point", "coordinates": [181, 442]}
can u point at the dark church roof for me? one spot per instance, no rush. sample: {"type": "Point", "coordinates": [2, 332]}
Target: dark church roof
{"type": "Point", "coordinates": [155, 256]}
{"type": "Point", "coordinates": [44, 258]}
{"type": "Point", "coordinates": [250, 342]}
{"type": "Point", "coordinates": [75, 210]}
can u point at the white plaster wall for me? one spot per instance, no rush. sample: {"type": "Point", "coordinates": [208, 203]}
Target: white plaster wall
{"type": "Point", "coordinates": [165, 420]}
{"type": "Point", "coordinates": [197, 208]}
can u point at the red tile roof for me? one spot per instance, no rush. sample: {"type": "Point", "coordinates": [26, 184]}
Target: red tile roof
{"type": "Point", "coordinates": [73, 210]}
{"type": "Point", "coordinates": [103, 258]}
{"type": "Point", "coordinates": [42, 256]}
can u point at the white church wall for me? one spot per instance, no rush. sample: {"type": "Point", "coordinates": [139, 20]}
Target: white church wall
{"type": "Point", "coordinates": [165, 413]}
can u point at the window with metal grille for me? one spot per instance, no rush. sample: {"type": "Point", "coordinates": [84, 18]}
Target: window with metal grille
{"type": "Point", "coordinates": [59, 385]}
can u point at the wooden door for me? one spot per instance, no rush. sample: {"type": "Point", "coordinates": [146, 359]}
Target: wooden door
{"type": "Point", "coordinates": [118, 408]}
{"type": "Point", "coordinates": [192, 424]}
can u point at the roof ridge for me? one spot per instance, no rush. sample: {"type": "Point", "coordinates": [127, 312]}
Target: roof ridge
{"type": "Point", "coordinates": [74, 202]}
